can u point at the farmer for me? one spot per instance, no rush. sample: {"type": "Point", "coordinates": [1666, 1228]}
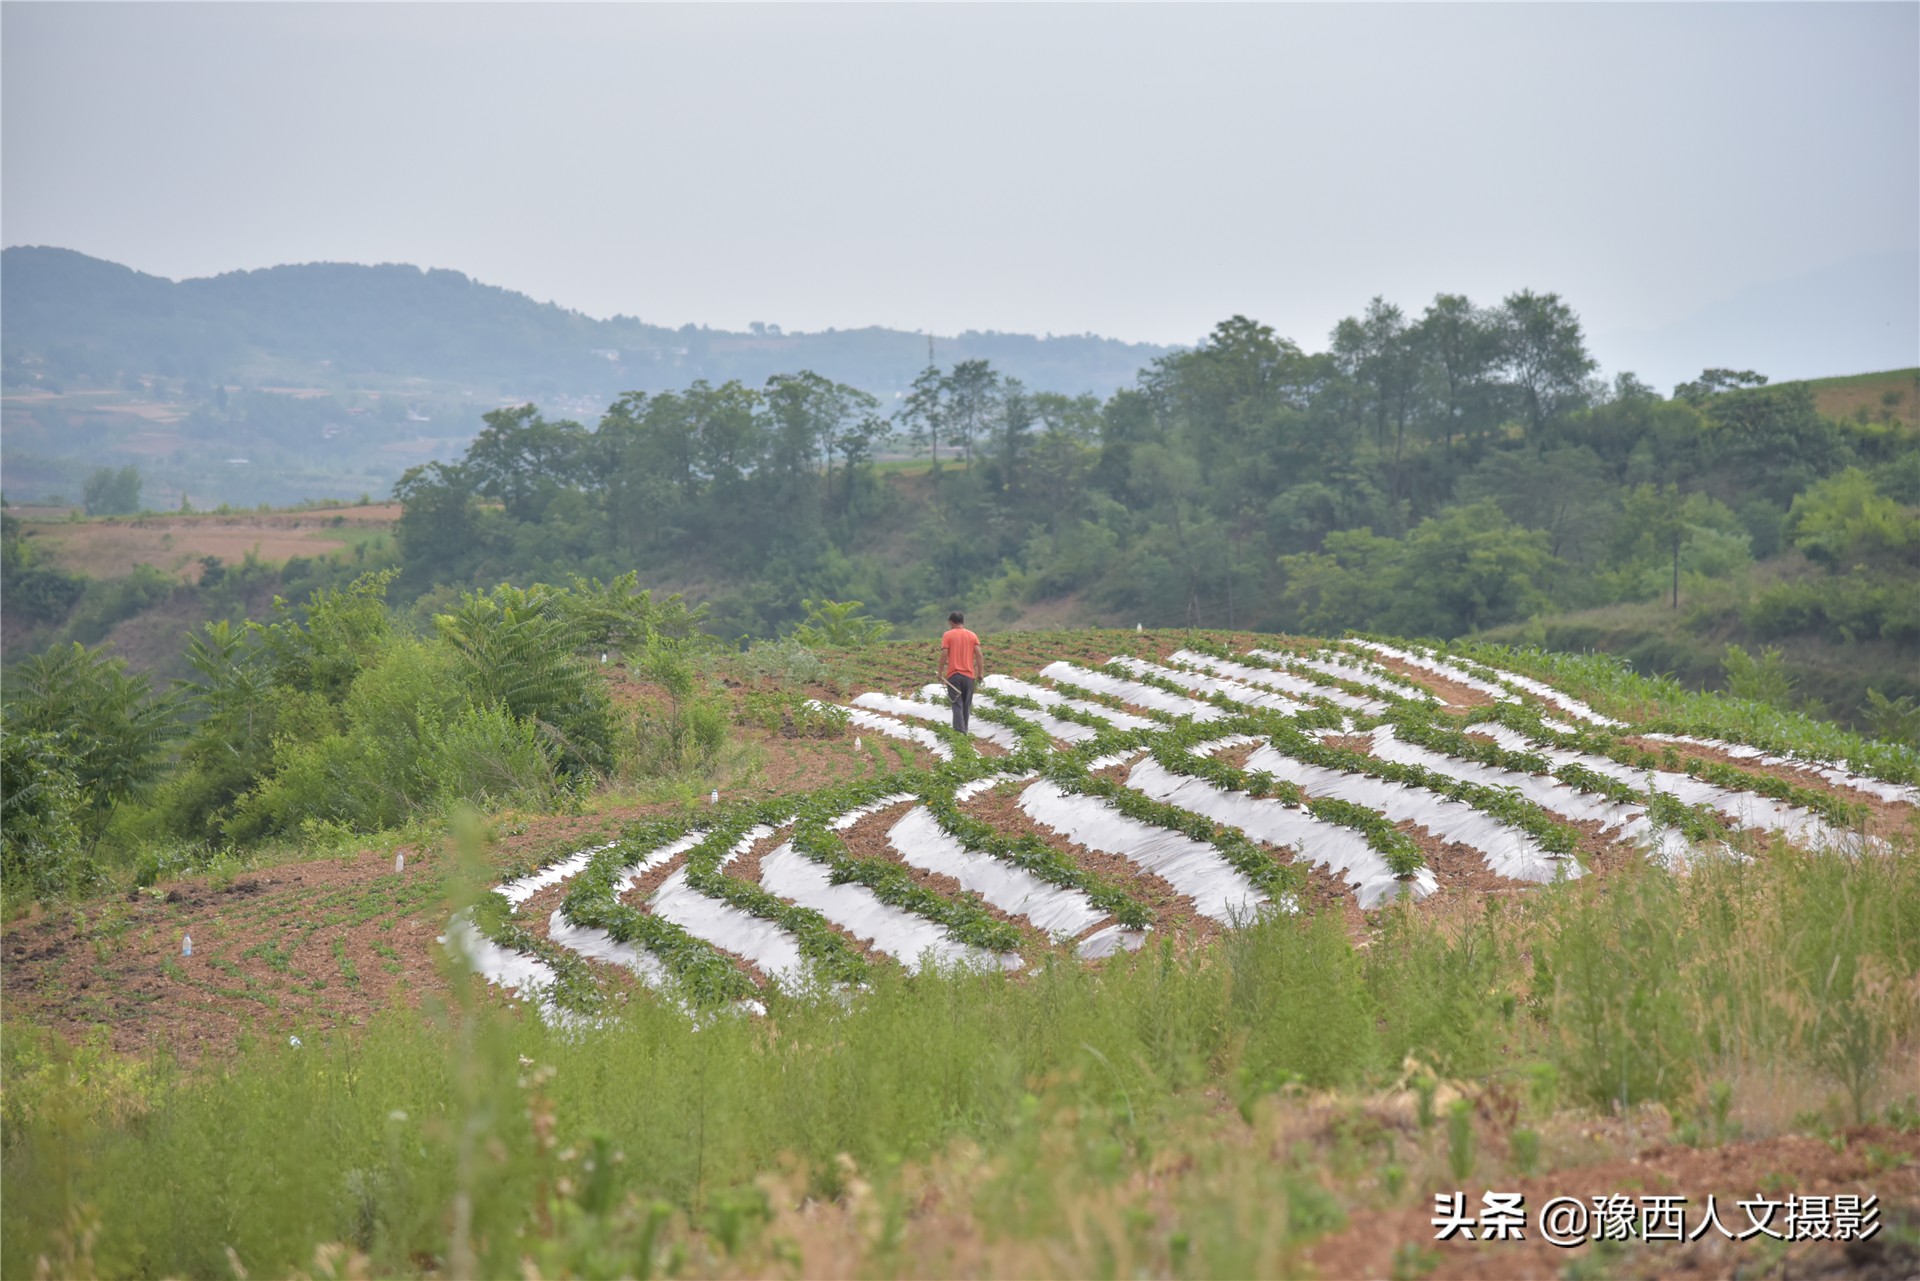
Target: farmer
{"type": "Point", "coordinates": [960, 668]}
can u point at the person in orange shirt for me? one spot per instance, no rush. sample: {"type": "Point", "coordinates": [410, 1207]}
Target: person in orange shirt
{"type": "Point", "coordinates": [960, 668]}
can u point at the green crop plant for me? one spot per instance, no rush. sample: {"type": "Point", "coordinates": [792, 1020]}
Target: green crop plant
{"type": "Point", "coordinates": [1031, 854]}
{"type": "Point", "coordinates": [1660, 704]}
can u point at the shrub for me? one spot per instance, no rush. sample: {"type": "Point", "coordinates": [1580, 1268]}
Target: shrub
{"type": "Point", "coordinates": [787, 660]}
{"type": "Point", "coordinates": [485, 756]}
{"type": "Point", "coordinates": [41, 849]}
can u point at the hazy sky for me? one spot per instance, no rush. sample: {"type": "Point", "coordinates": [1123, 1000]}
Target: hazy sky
{"type": "Point", "coordinates": [1134, 171]}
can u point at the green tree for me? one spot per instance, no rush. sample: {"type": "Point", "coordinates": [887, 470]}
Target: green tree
{"type": "Point", "coordinates": [42, 849]}
{"type": "Point", "coordinates": [839, 623]}
{"type": "Point", "coordinates": [112, 492]}
{"type": "Point", "coordinates": [1346, 585]}
{"type": "Point", "coordinates": [107, 723]}
{"type": "Point", "coordinates": [924, 414]}
{"type": "Point", "coordinates": [1461, 347]}
{"type": "Point", "coordinates": [523, 460]}
{"type": "Point", "coordinates": [1846, 516]}
{"type": "Point", "coordinates": [1380, 353]}
{"type": "Point", "coordinates": [972, 396]}
{"type": "Point", "coordinates": [1467, 568]}
{"type": "Point", "coordinates": [1714, 381]}
{"type": "Point", "coordinates": [1545, 356]}
{"type": "Point", "coordinates": [517, 653]}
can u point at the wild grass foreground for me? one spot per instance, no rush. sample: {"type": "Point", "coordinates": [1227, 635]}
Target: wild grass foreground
{"type": "Point", "coordinates": [1131, 1117]}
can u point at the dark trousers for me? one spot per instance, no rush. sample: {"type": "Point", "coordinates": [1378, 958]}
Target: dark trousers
{"type": "Point", "coordinates": [960, 694]}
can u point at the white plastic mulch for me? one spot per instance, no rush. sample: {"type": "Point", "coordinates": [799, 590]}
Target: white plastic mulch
{"type": "Point", "coordinates": [1543, 790]}
{"type": "Point", "coordinates": [1134, 692]}
{"type": "Point", "coordinates": [1458, 676]}
{"type": "Point", "coordinates": [896, 729]}
{"type": "Point", "coordinates": [930, 712]}
{"type": "Point", "coordinates": [526, 976]}
{"type": "Point", "coordinates": [909, 939]}
{"type": "Point", "coordinates": [1065, 731]}
{"type": "Point", "coordinates": [1193, 868]}
{"type": "Point", "coordinates": [1298, 686]}
{"type": "Point", "coordinates": [1832, 771]}
{"type": "Point", "coordinates": [595, 943]}
{"type": "Point", "coordinates": [1549, 793]}
{"type": "Point", "coordinates": [1506, 849]}
{"type": "Point", "coordinates": [1746, 809]}
{"type": "Point", "coordinates": [1340, 849]}
{"type": "Point", "coordinates": [1048, 697]}
{"type": "Point", "coordinates": [1548, 694]}
{"type": "Point", "coordinates": [1204, 683]}
{"type": "Point", "coordinates": [1054, 909]}
{"type": "Point", "coordinates": [1347, 668]}
{"type": "Point", "coordinates": [520, 889]}
{"type": "Point", "coordinates": [1108, 940]}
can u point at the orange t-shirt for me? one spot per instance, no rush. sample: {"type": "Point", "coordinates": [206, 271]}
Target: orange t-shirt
{"type": "Point", "coordinates": [959, 653]}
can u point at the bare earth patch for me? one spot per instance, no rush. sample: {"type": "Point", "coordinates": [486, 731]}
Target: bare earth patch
{"type": "Point", "coordinates": [1459, 695]}
{"type": "Point", "coordinates": [300, 946]}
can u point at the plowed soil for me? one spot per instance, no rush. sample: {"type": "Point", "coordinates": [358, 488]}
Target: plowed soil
{"type": "Point", "coordinates": [296, 947]}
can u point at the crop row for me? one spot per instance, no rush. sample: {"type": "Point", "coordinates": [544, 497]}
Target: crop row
{"type": "Point", "coordinates": [1600, 742]}
{"type": "Point", "coordinates": [1285, 734]}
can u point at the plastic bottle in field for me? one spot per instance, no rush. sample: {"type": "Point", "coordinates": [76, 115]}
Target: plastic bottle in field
{"type": "Point", "coordinates": [186, 945]}
{"type": "Point", "coordinates": [399, 862]}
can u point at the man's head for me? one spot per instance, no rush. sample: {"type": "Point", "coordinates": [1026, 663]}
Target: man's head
{"type": "Point", "coordinates": [956, 618]}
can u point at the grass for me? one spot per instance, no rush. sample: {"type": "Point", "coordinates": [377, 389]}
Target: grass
{"type": "Point", "coordinates": [1039, 1108]}
{"type": "Point", "coordinates": [1890, 394]}
{"type": "Point", "coordinates": [1141, 1116]}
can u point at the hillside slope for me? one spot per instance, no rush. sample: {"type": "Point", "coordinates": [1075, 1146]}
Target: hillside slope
{"type": "Point", "coordinates": [80, 317]}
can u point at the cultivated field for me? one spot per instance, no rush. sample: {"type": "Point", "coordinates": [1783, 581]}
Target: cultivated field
{"type": "Point", "coordinates": [1889, 397]}
{"type": "Point", "coordinates": [175, 543]}
{"type": "Point", "coordinates": [1200, 955]}
{"type": "Point", "coordinates": [1095, 807]}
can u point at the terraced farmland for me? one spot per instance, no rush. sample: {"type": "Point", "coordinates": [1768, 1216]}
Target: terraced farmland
{"type": "Point", "coordinates": [1094, 808]}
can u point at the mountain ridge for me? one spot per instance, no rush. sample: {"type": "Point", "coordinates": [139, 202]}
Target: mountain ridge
{"type": "Point", "coordinates": [93, 318]}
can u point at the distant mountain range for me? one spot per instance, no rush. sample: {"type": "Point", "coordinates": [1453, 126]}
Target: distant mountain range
{"type": "Point", "coordinates": [78, 317]}
{"type": "Point", "coordinates": [1857, 316]}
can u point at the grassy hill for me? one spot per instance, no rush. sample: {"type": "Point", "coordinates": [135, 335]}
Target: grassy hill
{"type": "Point", "coordinates": [1890, 398]}
{"type": "Point", "coordinates": [1252, 945]}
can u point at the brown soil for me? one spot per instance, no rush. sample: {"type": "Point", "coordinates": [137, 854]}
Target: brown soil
{"type": "Point", "coordinates": [111, 548]}
{"type": "Point", "coordinates": [1362, 743]}
{"type": "Point", "coordinates": [1461, 870]}
{"type": "Point", "coordinates": [300, 946]}
{"type": "Point", "coordinates": [868, 839]}
{"type": "Point", "coordinates": [1868, 1164]}
{"type": "Point", "coordinates": [1173, 912]}
{"type": "Point", "coordinates": [1117, 772]}
{"type": "Point", "coordinates": [746, 867]}
{"type": "Point", "coordinates": [1326, 892]}
{"type": "Point", "coordinates": [645, 887]}
{"type": "Point", "coordinates": [1602, 851]}
{"type": "Point", "coordinates": [1886, 818]}
{"type": "Point", "coordinates": [1458, 695]}
{"type": "Point", "coordinates": [1236, 756]}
